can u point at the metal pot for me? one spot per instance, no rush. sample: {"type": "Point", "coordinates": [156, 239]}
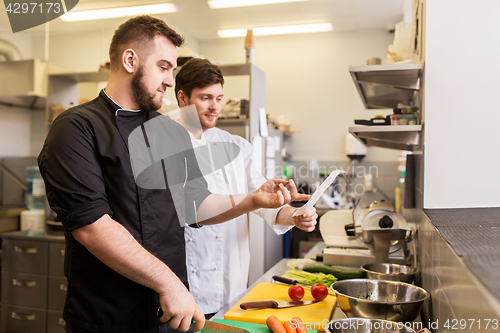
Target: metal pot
{"type": "Point", "coordinates": [391, 272]}
{"type": "Point", "coordinates": [379, 299]}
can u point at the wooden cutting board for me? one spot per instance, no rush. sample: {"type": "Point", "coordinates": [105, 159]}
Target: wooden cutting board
{"type": "Point", "coordinates": [314, 316]}
{"type": "Point", "coordinates": [251, 327]}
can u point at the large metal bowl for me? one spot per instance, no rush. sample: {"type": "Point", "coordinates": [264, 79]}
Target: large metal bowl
{"type": "Point", "coordinates": [391, 272]}
{"type": "Point", "coordinates": [379, 299]}
{"type": "Point", "coordinates": [366, 325]}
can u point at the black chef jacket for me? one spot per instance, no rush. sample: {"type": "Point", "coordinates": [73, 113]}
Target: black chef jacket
{"type": "Point", "coordinates": [87, 170]}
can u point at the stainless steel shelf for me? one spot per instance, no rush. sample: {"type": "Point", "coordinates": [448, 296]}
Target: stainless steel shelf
{"type": "Point", "coordinates": [101, 76]}
{"type": "Point", "coordinates": [404, 137]}
{"type": "Point", "coordinates": [385, 86]}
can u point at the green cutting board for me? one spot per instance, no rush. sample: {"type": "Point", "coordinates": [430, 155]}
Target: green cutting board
{"type": "Point", "coordinates": [251, 327]}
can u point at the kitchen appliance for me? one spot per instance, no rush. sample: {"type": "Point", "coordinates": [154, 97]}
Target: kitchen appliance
{"type": "Point", "coordinates": [382, 229]}
{"type": "Point", "coordinates": [366, 325]}
{"type": "Point", "coordinates": [365, 235]}
{"type": "Point", "coordinates": [315, 313]}
{"type": "Point", "coordinates": [24, 83]}
{"type": "Point", "coordinates": [380, 299]}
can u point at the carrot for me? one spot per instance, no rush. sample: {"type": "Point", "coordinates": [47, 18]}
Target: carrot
{"type": "Point", "coordinates": [289, 328]}
{"type": "Point", "coordinates": [300, 326]}
{"type": "Point", "coordinates": [274, 325]}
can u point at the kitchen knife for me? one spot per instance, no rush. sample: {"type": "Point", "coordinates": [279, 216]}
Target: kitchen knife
{"type": "Point", "coordinates": [291, 282]}
{"type": "Point", "coordinates": [213, 327]}
{"type": "Point", "coordinates": [273, 304]}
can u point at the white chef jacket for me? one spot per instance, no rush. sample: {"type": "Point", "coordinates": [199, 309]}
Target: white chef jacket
{"type": "Point", "coordinates": [218, 256]}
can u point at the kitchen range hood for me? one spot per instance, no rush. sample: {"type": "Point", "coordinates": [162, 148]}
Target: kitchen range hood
{"type": "Point", "coordinates": [386, 86]}
{"type": "Point", "coordinates": [24, 83]}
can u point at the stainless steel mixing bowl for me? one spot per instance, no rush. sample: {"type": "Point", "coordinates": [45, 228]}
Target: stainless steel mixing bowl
{"type": "Point", "coordinates": [391, 272]}
{"type": "Point", "coordinates": [380, 299]}
{"type": "Point", "coordinates": [366, 325]}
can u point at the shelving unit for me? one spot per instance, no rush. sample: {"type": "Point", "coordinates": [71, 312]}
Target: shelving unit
{"type": "Point", "coordinates": [386, 86]}
{"type": "Point", "coordinates": [64, 89]}
{"type": "Point", "coordinates": [257, 100]}
{"type": "Point", "coordinates": [405, 137]}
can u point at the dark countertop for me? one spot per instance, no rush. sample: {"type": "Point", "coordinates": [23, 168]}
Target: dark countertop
{"type": "Point", "coordinates": [54, 235]}
{"type": "Point", "coordinates": [474, 234]}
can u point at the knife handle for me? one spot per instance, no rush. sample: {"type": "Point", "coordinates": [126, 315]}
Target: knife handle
{"type": "Point", "coordinates": [285, 280]}
{"type": "Point", "coordinates": [259, 305]}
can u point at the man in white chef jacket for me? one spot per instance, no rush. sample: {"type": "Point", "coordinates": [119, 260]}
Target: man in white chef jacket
{"type": "Point", "coordinates": [218, 256]}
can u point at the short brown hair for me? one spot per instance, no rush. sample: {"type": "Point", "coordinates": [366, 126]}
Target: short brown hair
{"type": "Point", "coordinates": [197, 73]}
{"type": "Point", "coordinates": [137, 31]}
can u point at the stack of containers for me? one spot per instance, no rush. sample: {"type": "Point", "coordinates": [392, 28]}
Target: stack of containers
{"type": "Point", "coordinates": [34, 217]}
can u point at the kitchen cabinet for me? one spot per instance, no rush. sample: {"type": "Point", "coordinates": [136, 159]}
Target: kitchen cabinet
{"type": "Point", "coordinates": [386, 86]}
{"type": "Point", "coordinates": [33, 282]}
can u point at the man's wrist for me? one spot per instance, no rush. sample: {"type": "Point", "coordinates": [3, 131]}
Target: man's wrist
{"type": "Point", "coordinates": [284, 216]}
{"type": "Point", "coordinates": [253, 199]}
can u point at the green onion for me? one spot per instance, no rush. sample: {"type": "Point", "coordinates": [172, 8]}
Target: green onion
{"type": "Point", "coordinates": [311, 278]}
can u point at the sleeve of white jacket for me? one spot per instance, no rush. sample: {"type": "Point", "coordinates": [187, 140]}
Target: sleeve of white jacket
{"type": "Point", "coordinates": [255, 179]}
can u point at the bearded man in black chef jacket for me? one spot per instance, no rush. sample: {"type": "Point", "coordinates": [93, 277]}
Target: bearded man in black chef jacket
{"type": "Point", "coordinates": [125, 255]}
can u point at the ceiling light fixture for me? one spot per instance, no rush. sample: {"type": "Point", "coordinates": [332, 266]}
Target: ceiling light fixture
{"type": "Point", "coordinates": [216, 4]}
{"type": "Point", "coordinates": [281, 30]}
{"type": "Point", "coordinates": [98, 14]}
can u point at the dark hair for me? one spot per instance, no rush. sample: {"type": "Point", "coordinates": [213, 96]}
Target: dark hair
{"type": "Point", "coordinates": [136, 32]}
{"type": "Point", "coordinates": [197, 73]}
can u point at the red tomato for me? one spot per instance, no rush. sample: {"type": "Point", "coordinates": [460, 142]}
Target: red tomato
{"type": "Point", "coordinates": [296, 293]}
{"type": "Point", "coordinates": [319, 291]}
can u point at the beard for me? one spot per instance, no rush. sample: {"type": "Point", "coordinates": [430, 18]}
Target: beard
{"type": "Point", "coordinates": [141, 96]}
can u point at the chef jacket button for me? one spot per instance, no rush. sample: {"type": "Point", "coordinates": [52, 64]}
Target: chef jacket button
{"type": "Point", "coordinates": [193, 271]}
{"type": "Point", "coordinates": [216, 237]}
{"type": "Point", "coordinates": [215, 268]}
{"type": "Point", "coordinates": [190, 240]}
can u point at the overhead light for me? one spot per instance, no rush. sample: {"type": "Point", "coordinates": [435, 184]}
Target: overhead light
{"type": "Point", "coordinates": [215, 4]}
{"type": "Point", "coordinates": [98, 14]}
{"type": "Point", "coordinates": [281, 30]}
